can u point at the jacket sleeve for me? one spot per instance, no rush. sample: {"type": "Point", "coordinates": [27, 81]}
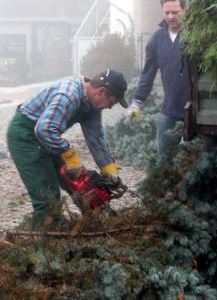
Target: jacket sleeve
{"type": "Point", "coordinates": [93, 132]}
{"type": "Point", "coordinates": [148, 73]}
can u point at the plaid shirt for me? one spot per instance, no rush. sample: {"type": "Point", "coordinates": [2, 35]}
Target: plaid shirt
{"type": "Point", "coordinates": [59, 106]}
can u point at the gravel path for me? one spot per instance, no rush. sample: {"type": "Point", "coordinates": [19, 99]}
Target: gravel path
{"type": "Point", "coordinates": [14, 201]}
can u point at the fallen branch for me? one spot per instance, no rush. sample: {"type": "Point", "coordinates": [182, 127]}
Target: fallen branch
{"type": "Point", "coordinates": [53, 234]}
{"type": "Point", "coordinates": [4, 243]}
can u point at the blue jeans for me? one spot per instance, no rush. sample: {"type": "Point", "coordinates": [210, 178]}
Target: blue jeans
{"type": "Point", "coordinates": [165, 142]}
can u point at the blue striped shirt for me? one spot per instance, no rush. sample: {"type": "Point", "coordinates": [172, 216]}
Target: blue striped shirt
{"type": "Point", "coordinates": [56, 108]}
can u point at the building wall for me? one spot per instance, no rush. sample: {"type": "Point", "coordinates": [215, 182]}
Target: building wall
{"type": "Point", "coordinates": [44, 8]}
{"type": "Point", "coordinates": [147, 14]}
{"type": "Point", "coordinates": [36, 36]}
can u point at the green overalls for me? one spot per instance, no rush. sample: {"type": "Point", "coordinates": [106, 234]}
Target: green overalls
{"type": "Point", "coordinates": [36, 168]}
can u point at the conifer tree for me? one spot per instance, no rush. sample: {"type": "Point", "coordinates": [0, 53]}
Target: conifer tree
{"type": "Point", "coordinates": [200, 32]}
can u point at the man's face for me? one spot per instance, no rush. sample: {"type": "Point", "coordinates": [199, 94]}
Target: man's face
{"type": "Point", "coordinates": [173, 14]}
{"type": "Point", "coordinates": [102, 99]}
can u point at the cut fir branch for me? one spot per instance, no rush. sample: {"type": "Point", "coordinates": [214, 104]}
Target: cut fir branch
{"type": "Point", "coordinates": [199, 35]}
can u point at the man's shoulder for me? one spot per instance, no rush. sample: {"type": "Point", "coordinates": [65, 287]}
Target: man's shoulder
{"type": "Point", "coordinates": [156, 37]}
{"type": "Point", "coordinates": [69, 81]}
{"type": "Point", "coordinates": [69, 84]}
{"type": "Point", "coordinates": [159, 32]}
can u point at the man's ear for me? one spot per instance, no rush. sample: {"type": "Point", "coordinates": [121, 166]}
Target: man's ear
{"type": "Point", "coordinates": [100, 90]}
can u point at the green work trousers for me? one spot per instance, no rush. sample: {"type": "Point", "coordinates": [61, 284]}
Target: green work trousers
{"type": "Point", "coordinates": [36, 168]}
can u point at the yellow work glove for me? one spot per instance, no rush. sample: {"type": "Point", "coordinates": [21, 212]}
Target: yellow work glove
{"type": "Point", "coordinates": [110, 171]}
{"type": "Point", "coordinates": [134, 114]}
{"type": "Point", "coordinates": [72, 162]}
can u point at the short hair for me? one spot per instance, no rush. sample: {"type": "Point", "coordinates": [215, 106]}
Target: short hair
{"type": "Point", "coordinates": [183, 3]}
{"type": "Point", "coordinates": [95, 83]}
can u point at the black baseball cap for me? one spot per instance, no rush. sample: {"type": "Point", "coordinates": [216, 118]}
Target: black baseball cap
{"type": "Point", "coordinates": [115, 82]}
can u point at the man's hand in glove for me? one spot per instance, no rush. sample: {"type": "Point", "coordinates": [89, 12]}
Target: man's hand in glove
{"type": "Point", "coordinates": [110, 173]}
{"type": "Point", "coordinates": [134, 112]}
{"type": "Point", "coordinates": [72, 162]}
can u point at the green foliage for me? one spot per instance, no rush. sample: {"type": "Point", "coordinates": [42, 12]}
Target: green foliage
{"type": "Point", "coordinates": [186, 198]}
{"type": "Point", "coordinates": [181, 194]}
{"type": "Point", "coordinates": [200, 31]}
{"type": "Point", "coordinates": [22, 259]}
{"type": "Point", "coordinates": [171, 252]}
{"type": "Point", "coordinates": [169, 248]}
{"type": "Point", "coordinates": [174, 281]}
{"type": "Point", "coordinates": [135, 142]}
{"type": "Point", "coordinates": [114, 52]}
{"type": "Point", "coordinates": [111, 282]}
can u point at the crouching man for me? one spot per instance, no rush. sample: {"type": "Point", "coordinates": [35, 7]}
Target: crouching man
{"type": "Point", "coordinates": [35, 136]}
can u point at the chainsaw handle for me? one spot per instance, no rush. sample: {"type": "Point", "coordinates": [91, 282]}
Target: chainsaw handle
{"type": "Point", "coordinates": [117, 192]}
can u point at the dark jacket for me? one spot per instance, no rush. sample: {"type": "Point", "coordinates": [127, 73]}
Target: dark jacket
{"type": "Point", "coordinates": [162, 53]}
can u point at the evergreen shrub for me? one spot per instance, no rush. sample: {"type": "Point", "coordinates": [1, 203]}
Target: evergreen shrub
{"type": "Point", "coordinates": [199, 36]}
{"type": "Point", "coordinates": [114, 52]}
{"type": "Point", "coordinates": [135, 142]}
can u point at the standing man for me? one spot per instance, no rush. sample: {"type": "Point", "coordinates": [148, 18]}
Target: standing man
{"type": "Point", "coordinates": [35, 136]}
{"type": "Point", "coordinates": [165, 52]}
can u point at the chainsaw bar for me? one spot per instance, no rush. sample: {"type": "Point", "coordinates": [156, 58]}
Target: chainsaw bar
{"type": "Point", "coordinates": [116, 189]}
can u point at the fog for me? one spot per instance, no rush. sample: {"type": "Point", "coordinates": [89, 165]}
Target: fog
{"type": "Point", "coordinates": [43, 40]}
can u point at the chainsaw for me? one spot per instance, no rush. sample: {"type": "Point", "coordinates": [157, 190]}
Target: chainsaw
{"type": "Point", "coordinates": [91, 190]}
